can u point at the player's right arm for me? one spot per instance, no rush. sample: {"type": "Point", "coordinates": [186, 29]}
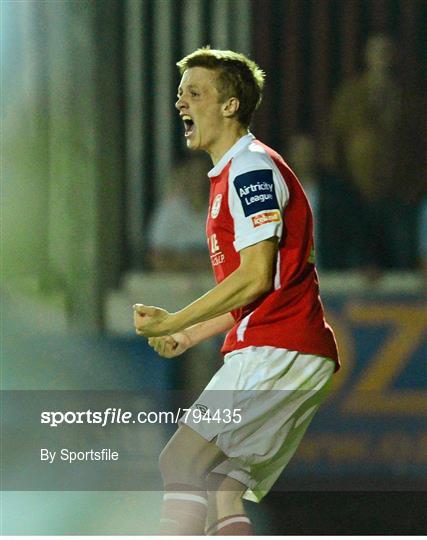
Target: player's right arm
{"type": "Point", "coordinates": [176, 344]}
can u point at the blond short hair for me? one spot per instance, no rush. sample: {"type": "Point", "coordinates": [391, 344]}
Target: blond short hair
{"type": "Point", "coordinates": [239, 77]}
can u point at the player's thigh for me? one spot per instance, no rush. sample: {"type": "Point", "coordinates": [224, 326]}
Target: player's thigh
{"type": "Point", "coordinates": [188, 449]}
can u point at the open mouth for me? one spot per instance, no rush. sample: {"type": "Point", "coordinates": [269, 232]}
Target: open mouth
{"type": "Point", "coordinates": [188, 125]}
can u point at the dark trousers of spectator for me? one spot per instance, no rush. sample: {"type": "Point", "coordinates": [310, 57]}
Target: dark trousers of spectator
{"type": "Point", "coordinates": [356, 233]}
{"type": "Point", "coordinates": [385, 233]}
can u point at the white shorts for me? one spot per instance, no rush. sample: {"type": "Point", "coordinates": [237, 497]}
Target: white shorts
{"type": "Point", "coordinates": [256, 409]}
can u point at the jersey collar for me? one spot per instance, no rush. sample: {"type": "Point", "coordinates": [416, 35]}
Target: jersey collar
{"type": "Point", "coordinates": [229, 155]}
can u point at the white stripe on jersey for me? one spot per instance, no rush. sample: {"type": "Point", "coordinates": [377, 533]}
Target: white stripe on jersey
{"type": "Point", "coordinates": [277, 284]}
{"type": "Point", "coordinates": [242, 327]}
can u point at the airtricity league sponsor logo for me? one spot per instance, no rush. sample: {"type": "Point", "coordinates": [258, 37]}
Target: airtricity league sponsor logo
{"type": "Point", "coordinates": [256, 191]}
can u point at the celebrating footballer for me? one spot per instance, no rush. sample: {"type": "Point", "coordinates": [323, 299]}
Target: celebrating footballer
{"type": "Point", "coordinates": [279, 352]}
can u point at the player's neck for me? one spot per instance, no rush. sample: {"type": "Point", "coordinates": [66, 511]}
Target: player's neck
{"type": "Point", "coordinates": [227, 140]}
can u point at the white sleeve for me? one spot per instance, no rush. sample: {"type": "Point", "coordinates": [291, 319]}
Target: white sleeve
{"type": "Point", "coordinates": [257, 199]}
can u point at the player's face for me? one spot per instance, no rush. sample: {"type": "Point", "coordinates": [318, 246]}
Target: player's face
{"type": "Point", "coordinates": [200, 109]}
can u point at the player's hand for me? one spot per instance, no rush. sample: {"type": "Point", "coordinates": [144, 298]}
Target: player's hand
{"type": "Point", "coordinates": [170, 346]}
{"type": "Point", "coordinates": [151, 321]}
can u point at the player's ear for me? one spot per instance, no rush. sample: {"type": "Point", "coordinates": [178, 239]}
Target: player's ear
{"type": "Point", "coordinates": [230, 107]}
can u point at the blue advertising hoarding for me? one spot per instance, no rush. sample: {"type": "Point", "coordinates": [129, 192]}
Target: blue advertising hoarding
{"type": "Point", "coordinates": [374, 421]}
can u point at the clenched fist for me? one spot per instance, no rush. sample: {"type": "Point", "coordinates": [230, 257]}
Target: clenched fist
{"type": "Point", "coordinates": [170, 346]}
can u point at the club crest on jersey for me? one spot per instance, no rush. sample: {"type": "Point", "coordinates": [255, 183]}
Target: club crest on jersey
{"type": "Point", "coordinates": [256, 191]}
{"type": "Point", "coordinates": [216, 205]}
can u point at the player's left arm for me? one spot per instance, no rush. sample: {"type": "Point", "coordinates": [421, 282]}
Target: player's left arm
{"type": "Point", "coordinates": [252, 279]}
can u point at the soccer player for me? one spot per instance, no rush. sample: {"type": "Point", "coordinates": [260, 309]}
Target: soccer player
{"type": "Point", "coordinates": [280, 353]}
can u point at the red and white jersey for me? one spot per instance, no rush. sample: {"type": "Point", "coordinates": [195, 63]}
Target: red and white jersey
{"type": "Point", "coordinates": [255, 196]}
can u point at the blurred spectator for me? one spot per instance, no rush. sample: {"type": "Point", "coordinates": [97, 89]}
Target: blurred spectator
{"type": "Point", "coordinates": [177, 234]}
{"type": "Point", "coordinates": [368, 121]}
{"type": "Point", "coordinates": [330, 200]}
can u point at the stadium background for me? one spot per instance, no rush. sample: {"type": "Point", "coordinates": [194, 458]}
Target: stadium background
{"type": "Point", "coordinates": [89, 135]}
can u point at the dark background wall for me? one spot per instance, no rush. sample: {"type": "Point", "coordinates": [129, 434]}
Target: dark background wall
{"type": "Point", "coordinates": [313, 46]}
